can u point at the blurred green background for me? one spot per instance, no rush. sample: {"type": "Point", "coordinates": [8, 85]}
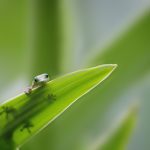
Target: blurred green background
{"type": "Point", "coordinates": [60, 36]}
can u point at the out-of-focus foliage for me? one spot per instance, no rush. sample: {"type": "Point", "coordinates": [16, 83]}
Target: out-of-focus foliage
{"type": "Point", "coordinates": [13, 40]}
{"type": "Point", "coordinates": [118, 139]}
{"type": "Point", "coordinates": [62, 33]}
{"type": "Point", "coordinates": [46, 37]}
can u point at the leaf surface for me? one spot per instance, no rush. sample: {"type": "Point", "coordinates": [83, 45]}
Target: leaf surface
{"type": "Point", "coordinates": [25, 115]}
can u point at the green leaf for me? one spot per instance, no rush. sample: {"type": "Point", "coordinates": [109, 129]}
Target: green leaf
{"type": "Point", "coordinates": [119, 137]}
{"type": "Point", "coordinates": [25, 115]}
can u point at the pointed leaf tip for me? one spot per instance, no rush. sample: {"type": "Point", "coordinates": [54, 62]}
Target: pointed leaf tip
{"type": "Point", "coordinates": [110, 66]}
{"type": "Point", "coordinates": [107, 68]}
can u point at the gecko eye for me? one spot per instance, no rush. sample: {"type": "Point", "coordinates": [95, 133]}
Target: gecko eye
{"type": "Point", "coordinates": [35, 79]}
{"type": "Point", "coordinates": [46, 75]}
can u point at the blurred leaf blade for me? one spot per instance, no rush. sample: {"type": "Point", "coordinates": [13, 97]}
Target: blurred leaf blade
{"type": "Point", "coordinates": [46, 37]}
{"type": "Point", "coordinates": [24, 115]}
{"type": "Point", "coordinates": [118, 139]}
{"type": "Point", "coordinates": [128, 49]}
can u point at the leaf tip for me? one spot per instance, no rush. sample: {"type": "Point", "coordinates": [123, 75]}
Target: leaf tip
{"type": "Point", "coordinates": [113, 66]}
{"type": "Point", "coordinates": [110, 67]}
